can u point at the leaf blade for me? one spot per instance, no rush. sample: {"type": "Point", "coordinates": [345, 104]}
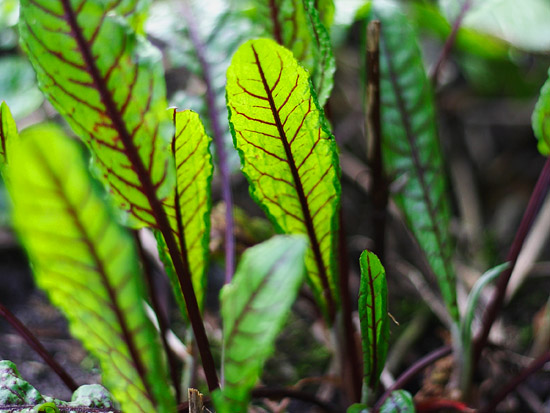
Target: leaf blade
{"type": "Point", "coordinates": [275, 118]}
{"type": "Point", "coordinates": [541, 119]}
{"type": "Point", "coordinates": [8, 133]}
{"type": "Point", "coordinates": [254, 307]}
{"type": "Point", "coordinates": [410, 146]}
{"type": "Point", "coordinates": [86, 57]}
{"type": "Point", "coordinates": [373, 315]}
{"type": "Point", "coordinates": [88, 265]}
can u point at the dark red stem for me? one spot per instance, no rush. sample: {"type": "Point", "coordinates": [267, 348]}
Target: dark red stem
{"type": "Point", "coordinates": [517, 380]}
{"type": "Point", "coordinates": [413, 371]}
{"type": "Point", "coordinates": [214, 115]}
{"type": "Point", "coordinates": [495, 304]}
{"type": "Point", "coordinates": [33, 342]}
{"type": "Point", "coordinates": [449, 43]}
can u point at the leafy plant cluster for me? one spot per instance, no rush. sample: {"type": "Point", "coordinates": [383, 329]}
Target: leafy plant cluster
{"type": "Point", "coordinates": [146, 167]}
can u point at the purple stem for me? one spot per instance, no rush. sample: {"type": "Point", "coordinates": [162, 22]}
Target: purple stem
{"type": "Point", "coordinates": [517, 380]}
{"type": "Point", "coordinates": [33, 342]}
{"type": "Point", "coordinates": [413, 371]}
{"type": "Point", "coordinates": [494, 306]}
{"type": "Point", "coordinates": [214, 116]}
{"type": "Point", "coordinates": [449, 43]}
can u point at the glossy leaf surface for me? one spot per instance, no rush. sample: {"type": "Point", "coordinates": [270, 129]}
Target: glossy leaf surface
{"type": "Point", "coordinates": [373, 315]}
{"type": "Point", "coordinates": [541, 119]}
{"type": "Point", "coordinates": [88, 265]}
{"type": "Point", "coordinates": [108, 83]}
{"type": "Point", "coordinates": [8, 133]}
{"type": "Point", "coordinates": [254, 308]}
{"type": "Point", "coordinates": [288, 155]}
{"type": "Point", "coordinates": [400, 401]}
{"type": "Point", "coordinates": [188, 208]}
{"type": "Point", "coordinates": [410, 145]}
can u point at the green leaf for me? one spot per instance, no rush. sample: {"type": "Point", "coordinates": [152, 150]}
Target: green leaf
{"type": "Point", "coordinates": [373, 314]}
{"type": "Point", "coordinates": [254, 308]}
{"type": "Point", "coordinates": [400, 401]}
{"type": "Point", "coordinates": [287, 153]}
{"type": "Point", "coordinates": [108, 83]}
{"type": "Point", "coordinates": [88, 265]}
{"type": "Point", "coordinates": [410, 145]}
{"type": "Point", "coordinates": [8, 134]}
{"type": "Point", "coordinates": [523, 24]}
{"type": "Point", "coordinates": [188, 208]}
{"type": "Point", "coordinates": [358, 408]}
{"type": "Point", "coordinates": [13, 389]}
{"type": "Point", "coordinates": [541, 119]}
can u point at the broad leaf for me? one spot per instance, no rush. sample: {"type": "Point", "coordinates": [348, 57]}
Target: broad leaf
{"type": "Point", "coordinates": [88, 265]}
{"type": "Point", "coordinates": [108, 83]}
{"type": "Point", "coordinates": [254, 308]}
{"type": "Point", "coordinates": [541, 119]}
{"type": "Point", "coordinates": [400, 401]}
{"type": "Point", "coordinates": [373, 314]}
{"type": "Point", "coordinates": [410, 145]}
{"type": "Point", "coordinates": [523, 24]}
{"type": "Point", "coordinates": [8, 133]}
{"type": "Point", "coordinates": [188, 208]}
{"type": "Point", "coordinates": [287, 153]}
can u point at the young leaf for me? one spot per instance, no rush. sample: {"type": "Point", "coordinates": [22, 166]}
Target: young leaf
{"type": "Point", "coordinates": [400, 401]}
{"type": "Point", "coordinates": [108, 83]}
{"type": "Point", "coordinates": [88, 265]}
{"type": "Point", "coordinates": [8, 133]}
{"type": "Point", "coordinates": [373, 313]}
{"type": "Point", "coordinates": [254, 308]}
{"type": "Point", "coordinates": [541, 119]}
{"type": "Point", "coordinates": [410, 145]}
{"type": "Point", "coordinates": [288, 155]}
{"type": "Point", "coordinates": [188, 208]}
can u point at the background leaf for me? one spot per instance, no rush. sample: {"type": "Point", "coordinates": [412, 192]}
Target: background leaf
{"type": "Point", "coordinates": [373, 315]}
{"type": "Point", "coordinates": [254, 308]}
{"type": "Point", "coordinates": [88, 265]}
{"type": "Point", "coordinates": [116, 101]}
{"type": "Point", "coordinates": [410, 145]}
{"type": "Point", "coordinates": [400, 401]}
{"type": "Point", "coordinates": [288, 155]}
{"type": "Point", "coordinates": [8, 133]}
{"type": "Point", "coordinates": [541, 119]}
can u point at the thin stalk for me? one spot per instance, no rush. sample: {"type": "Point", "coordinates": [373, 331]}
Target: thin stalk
{"type": "Point", "coordinates": [449, 43]}
{"type": "Point", "coordinates": [350, 356]}
{"type": "Point", "coordinates": [495, 304]}
{"type": "Point", "coordinates": [163, 323]}
{"type": "Point", "coordinates": [33, 342]}
{"type": "Point", "coordinates": [536, 365]}
{"type": "Point", "coordinates": [374, 135]}
{"type": "Point", "coordinates": [412, 371]}
{"type": "Point", "coordinates": [217, 133]}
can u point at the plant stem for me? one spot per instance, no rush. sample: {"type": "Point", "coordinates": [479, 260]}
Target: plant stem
{"type": "Point", "coordinates": [494, 306]}
{"type": "Point", "coordinates": [350, 356]}
{"type": "Point", "coordinates": [374, 136]}
{"type": "Point", "coordinates": [33, 342]}
{"type": "Point", "coordinates": [163, 324]}
{"type": "Point", "coordinates": [449, 43]}
{"type": "Point", "coordinates": [517, 380]}
{"type": "Point", "coordinates": [214, 115]}
{"type": "Point", "coordinates": [413, 370]}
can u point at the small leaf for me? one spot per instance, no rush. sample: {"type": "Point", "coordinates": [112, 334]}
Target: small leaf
{"type": "Point", "coordinates": [46, 408]}
{"type": "Point", "coordinates": [88, 265]}
{"type": "Point", "coordinates": [541, 119]}
{"type": "Point", "coordinates": [8, 133]}
{"type": "Point", "coordinates": [400, 401]}
{"type": "Point", "coordinates": [13, 389]}
{"type": "Point", "coordinates": [373, 314]}
{"type": "Point", "coordinates": [288, 155]}
{"type": "Point", "coordinates": [108, 83]}
{"type": "Point", "coordinates": [188, 208]}
{"type": "Point", "coordinates": [254, 308]}
{"type": "Point", "coordinates": [410, 145]}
